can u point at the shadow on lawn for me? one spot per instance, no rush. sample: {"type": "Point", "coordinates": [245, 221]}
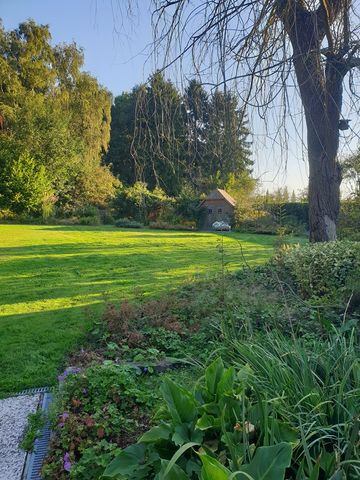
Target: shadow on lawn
{"type": "Point", "coordinates": [144, 233]}
{"type": "Point", "coordinates": [138, 233]}
{"type": "Point", "coordinates": [33, 346]}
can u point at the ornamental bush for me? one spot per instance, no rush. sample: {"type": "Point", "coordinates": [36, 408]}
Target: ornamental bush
{"type": "Point", "coordinates": [322, 268]}
{"type": "Point", "coordinates": [128, 223]}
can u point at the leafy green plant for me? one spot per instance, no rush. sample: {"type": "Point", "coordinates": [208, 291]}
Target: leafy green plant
{"type": "Point", "coordinates": [33, 430]}
{"type": "Point", "coordinates": [128, 223]}
{"type": "Point", "coordinates": [216, 431]}
{"type": "Point", "coordinates": [314, 387]}
{"type": "Point", "coordinates": [320, 269]}
{"type": "Point", "coordinates": [283, 409]}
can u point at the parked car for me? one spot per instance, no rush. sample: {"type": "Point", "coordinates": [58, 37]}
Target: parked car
{"type": "Point", "coordinates": [221, 227]}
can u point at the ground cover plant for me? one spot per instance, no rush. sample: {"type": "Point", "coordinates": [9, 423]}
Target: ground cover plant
{"type": "Point", "coordinates": [55, 279]}
{"type": "Point", "coordinates": [102, 408]}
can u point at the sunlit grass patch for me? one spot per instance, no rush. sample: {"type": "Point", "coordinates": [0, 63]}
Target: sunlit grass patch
{"type": "Point", "coordinates": [54, 280]}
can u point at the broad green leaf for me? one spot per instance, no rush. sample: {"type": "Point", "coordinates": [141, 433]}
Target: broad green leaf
{"type": "Point", "coordinates": [269, 463]}
{"type": "Point", "coordinates": [185, 433]}
{"type": "Point", "coordinates": [315, 471]}
{"type": "Point", "coordinates": [175, 473]}
{"type": "Point", "coordinates": [244, 374]}
{"type": "Point", "coordinates": [283, 432]}
{"type": "Point", "coordinates": [226, 382]}
{"type": "Point", "coordinates": [160, 432]}
{"type": "Point", "coordinates": [213, 375]}
{"type": "Point", "coordinates": [208, 421]}
{"type": "Point", "coordinates": [193, 467]}
{"type": "Point", "coordinates": [181, 434]}
{"type": "Point", "coordinates": [177, 455]}
{"type": "Point", "coordinates": [327, 462]}
{"type": "Point", "coordinates": [127, 461]}
{"type": "Point", "coordinates": [181, 403]}
{"type": "Point", "coordinates": [212, 469]}
{"type": "Point", "coordinates": [211, 408]}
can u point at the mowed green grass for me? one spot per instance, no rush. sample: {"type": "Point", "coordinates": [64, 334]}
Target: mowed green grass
{"type": "Point", "coordinates": [54, 281]}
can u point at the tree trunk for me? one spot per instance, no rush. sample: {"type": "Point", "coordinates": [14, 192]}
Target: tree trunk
{"type": "Point", "coordinates": [324, 188]}
{"type": "Point", "coordinates": [321, 95]}
{"type": "Point", "coordinates": [322, 118]}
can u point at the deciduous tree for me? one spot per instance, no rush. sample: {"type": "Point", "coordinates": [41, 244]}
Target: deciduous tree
{"type": "Point", "coordinates": [265, 43]}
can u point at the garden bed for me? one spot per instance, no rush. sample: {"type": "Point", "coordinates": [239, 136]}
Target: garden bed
{"type": "Point", "coordinates": [283, 354]}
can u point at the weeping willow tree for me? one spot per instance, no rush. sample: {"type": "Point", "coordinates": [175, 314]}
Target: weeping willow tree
{"type": "Point", "coordinates": [266, 45]}
{"type": "Point", "coordinates": [179, 138]}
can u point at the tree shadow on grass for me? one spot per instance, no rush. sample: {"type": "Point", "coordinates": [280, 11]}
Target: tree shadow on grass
{"type": "Point", "coordinates": [33, 346]}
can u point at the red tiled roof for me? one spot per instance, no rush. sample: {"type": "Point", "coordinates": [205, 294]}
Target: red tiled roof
{"type": "Point", "coordinates": [219, 194]}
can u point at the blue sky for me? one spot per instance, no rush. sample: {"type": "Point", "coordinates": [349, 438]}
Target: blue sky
{"type": "Point", "coordinates": [117, 52]}
{"type": "Point", "coordinates": [115, 46]}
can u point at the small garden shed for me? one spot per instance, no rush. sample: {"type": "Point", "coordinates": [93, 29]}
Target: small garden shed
{"type": "Point", "coordinates": [218, 206]}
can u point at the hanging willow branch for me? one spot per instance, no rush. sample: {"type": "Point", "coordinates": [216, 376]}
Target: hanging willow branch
{"type": "Point", "coordinates": [268, 47]}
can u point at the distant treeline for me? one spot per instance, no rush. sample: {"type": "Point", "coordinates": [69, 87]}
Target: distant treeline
{"type": "Point", "coordinates": [56, 129]}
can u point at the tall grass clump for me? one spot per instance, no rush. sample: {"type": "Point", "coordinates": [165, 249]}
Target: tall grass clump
{"type": "Point", "coordinates": [314, 388]}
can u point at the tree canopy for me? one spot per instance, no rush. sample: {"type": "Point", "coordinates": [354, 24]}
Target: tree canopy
{"type": "Point", "coordinates": [168, 139]}
{"type": "Point", "coordinates": [55, 123]}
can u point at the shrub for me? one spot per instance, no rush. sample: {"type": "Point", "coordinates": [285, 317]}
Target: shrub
{"type": "Point", "coordinates": [139, 203]}
{"type": "Point", "coordinates": [107, 217]}
{"type": "Point", "coordinates": [24, 185]}
{"type": "Point", "coordinates": [169, 226]}
{"type": "Point", "coordinates": [127, 223]}
{"type": "Point", "coordinates": [322, 268]}
{"type": "Point", "coordinates": [314, 389]}
{"type": "Point", "coordinates": [269, 225]}
{"type": "Point", "coordinates": [94, 220]}
{"type": "Point", "coordinates": [101, 408]}
{"type": "Point", "coordinates": [349, 219]}
{"type": "Point", "coordinates": [7, 215]}
{"type": "Point", "coordinates": [207, 433]}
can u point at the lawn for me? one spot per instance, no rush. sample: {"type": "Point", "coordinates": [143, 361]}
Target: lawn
{"type": "Point", "coordinates": [55, 279]}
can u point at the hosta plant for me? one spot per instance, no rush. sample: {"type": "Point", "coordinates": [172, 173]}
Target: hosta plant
{"type": "Point", "coordinates": [221, 430]}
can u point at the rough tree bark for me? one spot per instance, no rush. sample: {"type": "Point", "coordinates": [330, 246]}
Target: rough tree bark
{"type": "Point", "coordinates": [321, 88]}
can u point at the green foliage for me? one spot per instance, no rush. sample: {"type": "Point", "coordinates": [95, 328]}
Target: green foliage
{"type": "Point", "coordinates": [168, 139]}
{"type": "Point", "coordinates": [127, 223]}
{"type": "Point", "coordinates": [269, 217]}
{"type": "Point", "coordinates": [187, 206]}
{"type": "Point", "coordinates": [139, 203]}
{"type": "Point", "coordinates": [284, 409]}
{"type": "Point", "coordinates": [170, 226]}
{"type": "Point", "coordinates": [351, 172]}
{"type": "Point", "coordinates": [98, 409]}
{"type": "Point", "coordinates": [313, 387]}
{"type": "Point", "coordinates": [155, 208]}
{"type": "Point", "coordinates": [349, 219]}
{"type": "Point", "coordinates": [56, 114]}
{"type": "Point", "coordinates": [213, 417]}
{"type": "Point", "coordinates": [33, 430]}
{"type": "Point", "coordinates": [23, 184]}
{"type": "Point", "coordinates": [321, 269]}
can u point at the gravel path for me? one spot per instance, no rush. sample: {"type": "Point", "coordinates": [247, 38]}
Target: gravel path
{"type": "Point", "coordinates": [13, 420]}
